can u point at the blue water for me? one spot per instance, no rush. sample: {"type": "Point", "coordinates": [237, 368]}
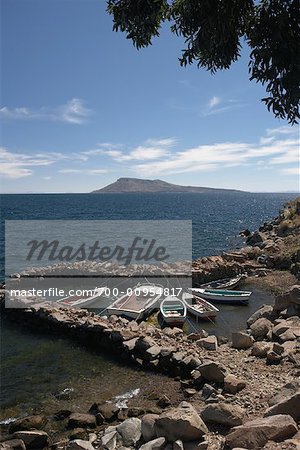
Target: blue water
{"type": "Point", "coordinates": [217, 218]}
{"type": "Point", "coordinates": [34, 366]}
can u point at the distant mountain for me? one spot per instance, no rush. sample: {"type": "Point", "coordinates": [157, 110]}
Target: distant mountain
{"type": "Point", "coordinates": [126, 185]}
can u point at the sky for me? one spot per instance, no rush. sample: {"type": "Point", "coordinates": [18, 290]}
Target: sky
{"type": "Point", "coordinates": [81, 107]}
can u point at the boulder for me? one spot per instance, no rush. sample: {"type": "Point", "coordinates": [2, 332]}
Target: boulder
{"type": "Point", "coordinates": [78, 433]}
{"type": "Point", "coordinates": [152, 352]}
{"type": "Point", "coordinates": [233, 384]}
{"type": "Point", "coordinates": [109, 440]}
{"type": "Point", "coordinates": [35, 422]}
{"type": "Point", "coordinates": [213, 371]}
{"type": "Point", "coordinates": [223, 414]}
{"type": "Point", "coordinates": [260, 328]}
{"type": "Point", "coordinates": [284, 392]}
{"type": "Point", "coordinates": [178, 445]}
{"type": "Point", "coordinates": [108, 410]}
{"type": "Point", "coordinates": [241, 340]}
{"type": "Point", "coordinates": [209, 343]}
{"type": "Point", "coordinates": [265, 311]}
{"type": "Point", "coordinates": [289, 406]}
{"type": "Point", "coordinates": [255, 239]}
{"type": "Point", "coordinates": [261, 349]}
{"type": "Point", "coordinates": [256, 433]}
{"type": "Point", "coordinates": [13, 444]}
{"type": "Point", "coordinates": [282, 301]}
{"type": "Point", "coordinates": [33, 438]}
{"type": "Point", "coordinates": [78, 420]}
{"type": "Point", "coordinates": [147, 427]}
{"type": "Point", "coordinates": [130, 431]}
{"type": "Point", "coordinates": [295, 294]}
{"type": "Point", "coordinates": [155, 444]}
{"type": "Point", "coordinates": [182, 423]}
{"type": "Point", "coordinates": [79, 444]}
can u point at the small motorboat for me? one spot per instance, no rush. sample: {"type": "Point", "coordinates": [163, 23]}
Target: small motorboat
{"type": "Point", "coordinates": [76, 301]}
{"type": "Point", "coordinates": [198, 307]}
{"type": "Point", "coordinates": [138, 304]}
{"type": "Point", "coordinates": [225, 283]}
{"type": "Point", "coordinates": [173, 310]}
{"type": "Point", "coordinates": [223, 296]}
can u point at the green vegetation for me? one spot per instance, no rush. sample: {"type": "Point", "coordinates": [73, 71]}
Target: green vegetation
{"type": "Point", "coordinates": [214, 31]}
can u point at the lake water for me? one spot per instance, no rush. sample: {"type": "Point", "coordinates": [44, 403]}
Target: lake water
{"type": "Point", "coordinates": [34, 367]}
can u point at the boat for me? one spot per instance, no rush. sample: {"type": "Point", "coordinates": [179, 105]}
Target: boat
{"type": "Point", "coordinates": [225, 283]}
{"type": "Point", "coordinates": [198, 307]}
{"type": "Point", "coordinates": [222, 295]}
{"type": "Point", "coordinates": [80, 301]}
{"type": "Point", "coordinates": [138, 304]}
{"type": "Point", "coordinates": [173, 310]}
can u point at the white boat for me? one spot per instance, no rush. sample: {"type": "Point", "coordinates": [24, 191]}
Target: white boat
{"type": "Point", "coordinates": [198, 307]}
{"type": "Point", "coordinates": [137, 305]}
{"type": "Point", "coordinates": [224, 283]}
{"type": "Point", "coordinates": [222, 295]}
{"type": "Point", "coordinates": [76, 301]}
{"type": "Point", "coordinates": [173, 310]}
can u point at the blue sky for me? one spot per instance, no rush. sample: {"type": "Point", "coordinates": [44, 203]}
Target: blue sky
{"type": "Point", "coordinates": [81, 107]}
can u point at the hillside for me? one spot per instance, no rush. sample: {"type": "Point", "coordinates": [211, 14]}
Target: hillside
{"type": "Point", "coordinates": [126, 185]}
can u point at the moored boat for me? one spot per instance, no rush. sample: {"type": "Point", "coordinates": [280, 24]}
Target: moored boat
{"type": "Point", "coordinates": [224, 283]}
{"type": "Point", "coordinates": [198, 307]}
{"type": "Point", "coordinates": [138, 304]}
{"type": "Point", "coordinates": [173, 311]}
{"type": "Point", "coordinates": [83, 301]}
{"type": "Point", "coordinates": [223, 295]}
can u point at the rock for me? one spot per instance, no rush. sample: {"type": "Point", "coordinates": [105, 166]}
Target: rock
{"type": "Point", "coordinates": [233, 384]}
{"type": "Point", "coordinates": [182, 423]}
{"type": "Point", "coordinates": [256, 433]}
{"type": "Point", "coordinates": [109, 411]}
{"type": "Point", "coordinates": [209, 343]}
{"type": "Point", "coordinates": [178, 445]}
{"type": "Point", "coordinates": [129, 345]}
{"type": "Point", "coordinates": [260, 328]}
{"type": "Point", "coordinates": [282, 301]}
{"type": "Point", "coordinates": [295, 294]}
{"type": "Point", "coordinates": [130, 431]}
{"type": "Point", "coordinates": [260, 349]}
{"type": "Point", "coordinates": [33, 439]}
{"type": "Point", "coordinates": [163, 402]}
{"type": "Point", "coordinates": [143, 343]}
{"type": "Point", "coordinates": [109, 440]}
{"type": "Point", "coordinates": [79, 444]}
{"type": "Point", "coordinates": [265, 311]}
{"type": "Point", "coordinates": [78, 420]}
{"type": "Point", "coordinates": [213, 371]}
{"type": "Point", "coordinates": [147, 427]}
{"type": "Point", "coordinates": [255, 238]}
{"type": "Point", "coordinates": [289, 406]}
{"type": "Point", "coordinates": [189, 392]}
{"type": "Point", "coordinates": [207, 391]}
{"type": "Point", "coordinates": [78, 433]}
{"type": "Point", "coordinates": [155, 444]}
{"type": "Point", "coordinates": [13, 444]}
{"type": "Point", "coordinates": [152, 352]}
{"type": "Point", "coordinates": [241, 340]}
{"type": "Point", "coordinates": [223, 414]}
{"type": "Point", "coordinates": [35, 422]}
{"type": "Point", "coordinates": [284, 392]}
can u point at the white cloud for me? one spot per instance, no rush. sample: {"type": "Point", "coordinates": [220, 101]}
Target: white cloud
{"type": "Point", "coordinates": [151, 149]}
{"type": "Point", "coordinates": [214, 101]}
{"type": "Point", "coordinates": [83, 171]}
{"type": "Point", "coordinates": [225, 154]}
{"type": "Point", "coordinates": [73, 112]}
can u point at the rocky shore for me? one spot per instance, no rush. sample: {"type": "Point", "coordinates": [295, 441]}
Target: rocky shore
{"type": "Point", "coordinates": [238, 394]}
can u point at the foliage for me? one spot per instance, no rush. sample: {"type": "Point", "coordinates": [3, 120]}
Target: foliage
{"type": "Point", "coordinates": [214, 31]}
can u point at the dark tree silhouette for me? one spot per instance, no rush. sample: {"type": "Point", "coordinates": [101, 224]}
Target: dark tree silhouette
{"type": "Point", "coordinates": [214, 31]}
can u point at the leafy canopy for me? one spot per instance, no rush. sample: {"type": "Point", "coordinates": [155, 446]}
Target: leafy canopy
{"type": "Point", "coordinates": [214, 31]}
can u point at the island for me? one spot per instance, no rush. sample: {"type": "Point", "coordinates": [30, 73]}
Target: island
{"type": "Point", "coordinates": [137, 185]}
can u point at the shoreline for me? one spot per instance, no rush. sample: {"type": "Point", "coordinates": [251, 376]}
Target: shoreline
{"type": "Point", "coordinates": [241, 377]}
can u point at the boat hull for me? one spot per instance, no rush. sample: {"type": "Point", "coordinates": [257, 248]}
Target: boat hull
{"type": "Point", "coordinates": [228, 297]}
